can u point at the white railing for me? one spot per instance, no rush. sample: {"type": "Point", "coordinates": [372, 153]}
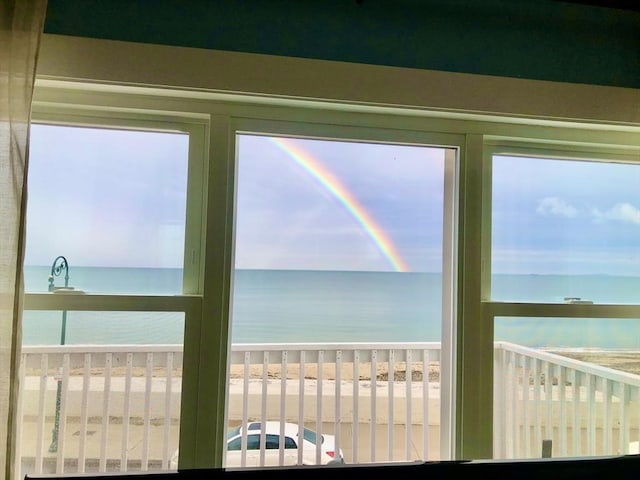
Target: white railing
{"type": "Point", "coordinates": [575, 408]}
{"type": "Point", "coordinates": [119, 406]}
{"type": "Point", "coordinates": [372, 397]}
{"type": "Point", "coordinates": [99, 408]}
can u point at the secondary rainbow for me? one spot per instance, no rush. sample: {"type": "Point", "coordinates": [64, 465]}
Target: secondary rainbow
{"type": "Point", "coordinates": [346, 198]}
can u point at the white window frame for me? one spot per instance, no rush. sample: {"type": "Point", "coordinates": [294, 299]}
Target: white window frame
{"type": "Point", "coordinates": [219, 115]}
{"type": "Point", "coordinates": [560, 150]}
{"type": "Point", "coordinates": [453, 143]}
{"type": "Point", "coordinates": [189, 302]}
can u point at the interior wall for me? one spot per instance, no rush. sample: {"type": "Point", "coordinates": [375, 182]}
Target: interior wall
{"type": "Point", "coordinates": [201, 73]}
{"type": "Point", "coordinates": [550, 40]}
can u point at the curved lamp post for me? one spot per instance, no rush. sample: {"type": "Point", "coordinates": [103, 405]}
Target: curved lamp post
{"type": "Point", "coordinates": [60, 264]}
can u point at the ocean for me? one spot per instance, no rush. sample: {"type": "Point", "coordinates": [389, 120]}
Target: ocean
{"type": "Point", "coordinates": [271, 306]}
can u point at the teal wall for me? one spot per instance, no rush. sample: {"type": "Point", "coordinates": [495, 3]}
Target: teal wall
{"type": "Point", "coordinates": [536, 39]}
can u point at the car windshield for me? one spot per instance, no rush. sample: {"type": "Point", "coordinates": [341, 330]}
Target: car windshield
{"type": "Point", "coordinates": [233, 432]}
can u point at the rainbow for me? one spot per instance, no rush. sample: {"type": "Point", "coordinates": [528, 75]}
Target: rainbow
{"type": "Point", "coordinates": [346, 198]}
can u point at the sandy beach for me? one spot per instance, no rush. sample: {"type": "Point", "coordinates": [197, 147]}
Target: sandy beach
{"type": "Point", "coordinates": [346, 372]}
{"type": "Point", "coordinates": [624, 361]}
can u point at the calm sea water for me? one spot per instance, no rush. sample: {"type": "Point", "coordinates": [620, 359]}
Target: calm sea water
{"type": "Point", "coordinates": [323, 306]}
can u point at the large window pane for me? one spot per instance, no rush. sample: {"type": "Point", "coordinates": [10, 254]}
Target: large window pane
{"type": "Point", "coordinates": [565, 231]}
{"type": "Point", "coordinates": [106, 214]}
{"type": "Point", "coordinates": [337, 293]}
{"type": "Point", "coordinates": [87, 407]}
{"type": "Point", "coordinates": [566, 387]}
{"type": "Point", "coordinates": [113, 203]}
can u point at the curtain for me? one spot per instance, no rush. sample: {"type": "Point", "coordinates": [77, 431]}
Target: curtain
{"type": "Point", "coordinates": [21, 26]}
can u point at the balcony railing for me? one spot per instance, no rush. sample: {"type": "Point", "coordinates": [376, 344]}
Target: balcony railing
{"type": "Point", "coordinates": [579, 408]}
{"type": "Point", "coordinates": [119, 406]}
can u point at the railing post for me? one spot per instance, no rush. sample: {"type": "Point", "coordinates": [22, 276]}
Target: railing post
{"type": "Point", "coordinates": [499, 403]}
{"type": "Point", "coordinates": [546, 448]}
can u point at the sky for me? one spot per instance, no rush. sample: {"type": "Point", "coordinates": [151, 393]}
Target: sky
{"type": "Point", "coordinates": [117, 198]}
{"type": "Point", "coordinates": [316, 204]}
{"type": "Point", "coordinates": [565, 217]}
{"type": "Point", "coordinates": [106, 197]}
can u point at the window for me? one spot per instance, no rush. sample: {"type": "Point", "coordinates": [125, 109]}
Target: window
{"type": "Point", "coordinates": [106, 227]}
{"type": "Point", "coordinates": [339, 287]}
{"type": "Point", "coordinates": [309, 435]}
{"type": "Point", "coordinates": [108, 199]}
{"type": "Point", "coordinates": [565, 272]}
{"type": "Point", "coordinates": [273, 442]}
{"type": "Point", "coordinates": [305, 242]}
{"type": "Point", "coordinates": [565, 230]}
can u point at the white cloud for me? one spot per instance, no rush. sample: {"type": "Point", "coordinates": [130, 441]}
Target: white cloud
{"type": "Point", "coordinates": [623, 212]}
{"type": "Point", "coordinates": [556, 206]}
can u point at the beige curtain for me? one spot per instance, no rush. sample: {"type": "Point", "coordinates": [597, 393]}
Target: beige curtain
{"type": "Point", "coordinates": [21, 25]}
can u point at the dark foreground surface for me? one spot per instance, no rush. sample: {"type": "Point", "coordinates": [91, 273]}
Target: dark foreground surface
{"type": "Point", "coordinates": [625, 466]}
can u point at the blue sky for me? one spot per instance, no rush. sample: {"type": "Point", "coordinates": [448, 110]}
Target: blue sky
{"type": "Point", "coordinates": [106, 197]}
{"type": "Point", "coordinates": [114, 198]}
{"type": "Point", "coordinates": [565, 217]}
{"type": "Point", "coordinates": [286, 217]}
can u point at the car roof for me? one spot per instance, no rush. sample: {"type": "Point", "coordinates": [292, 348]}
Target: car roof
{"type": "Point", "coordinates": [273, 427]}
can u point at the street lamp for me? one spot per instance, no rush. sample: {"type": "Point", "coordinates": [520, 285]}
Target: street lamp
{"type": "Point", "coordinates": [60, 264]}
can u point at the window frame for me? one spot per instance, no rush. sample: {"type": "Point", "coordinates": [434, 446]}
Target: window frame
{"type": "Point", "coordinates": [377, 134]}
{"type": "Point", "coordinates": [533, 148]}
{"type": "Point", "coordinates": [549, 151]}
{"type": "Point", "coordinates": [189, 302]}
{"type": "Point", "coordinates": [65, 115]}
{"type": "Point", "coordinates": [213, 112]}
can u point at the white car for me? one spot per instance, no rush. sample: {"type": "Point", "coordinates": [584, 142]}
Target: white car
{"type": "Point", "coordinates": [294, 438]}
